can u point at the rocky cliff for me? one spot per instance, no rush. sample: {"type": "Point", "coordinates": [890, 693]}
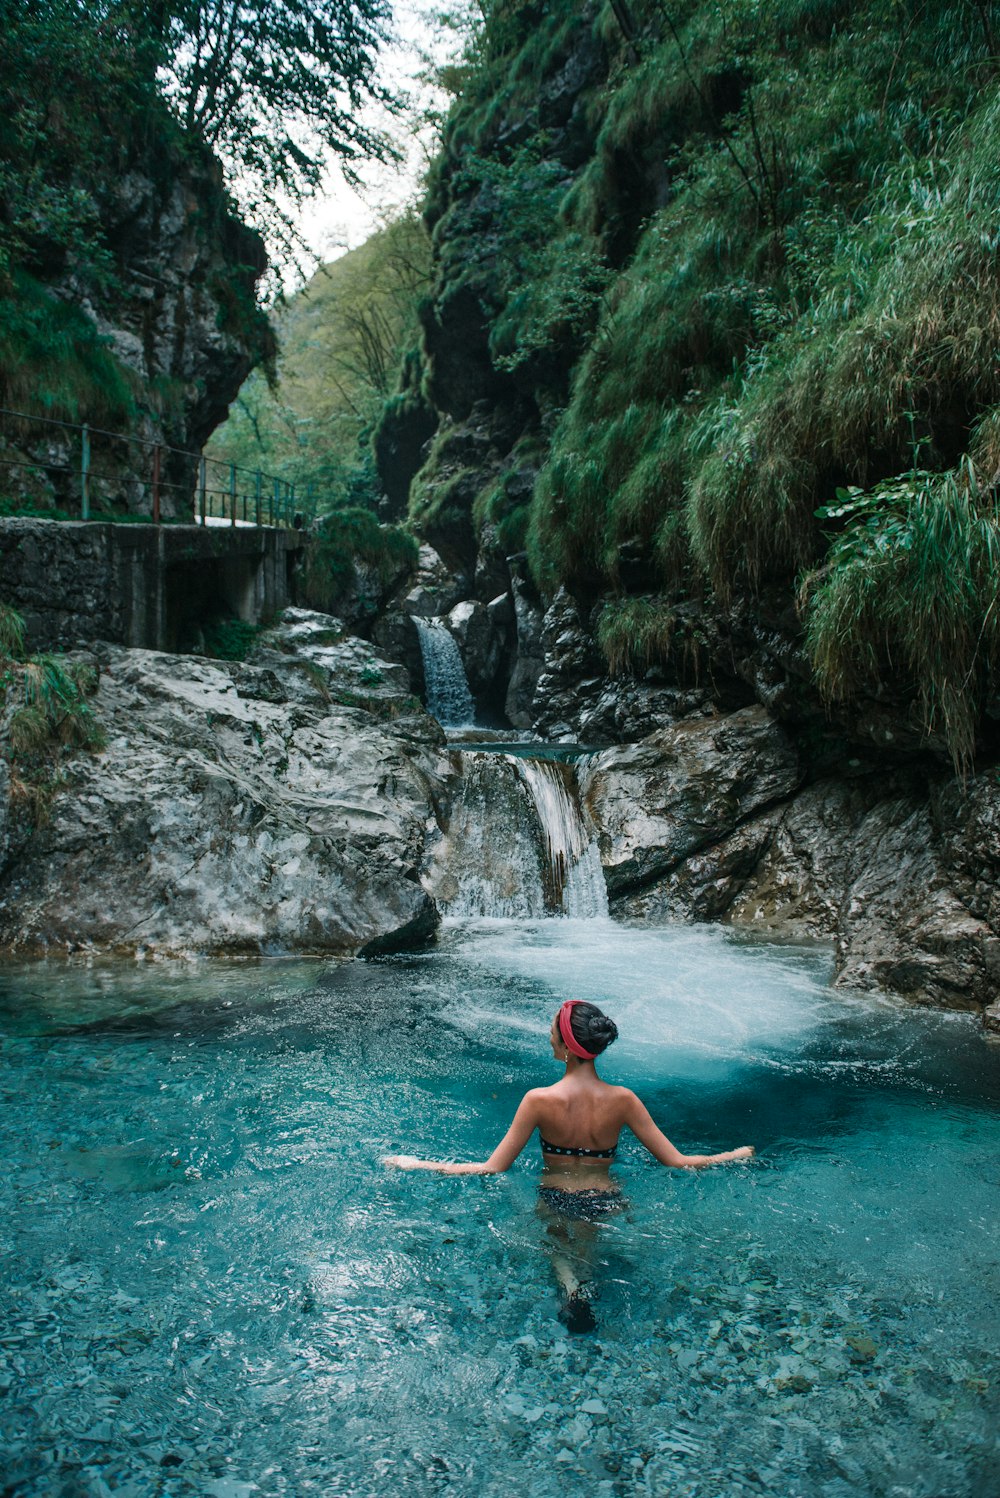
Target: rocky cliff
{"type": "Point", "coordinates": [280, 805]}
{"type": "Point", "coordinates": [152, 346]}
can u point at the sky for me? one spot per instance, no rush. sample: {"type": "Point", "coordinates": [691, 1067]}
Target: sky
{"type": "Point", "coordinates": [341, 218]}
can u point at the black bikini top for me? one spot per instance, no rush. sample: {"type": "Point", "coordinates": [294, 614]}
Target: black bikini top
{"type": "Point", "coordinates": [560, 1149]}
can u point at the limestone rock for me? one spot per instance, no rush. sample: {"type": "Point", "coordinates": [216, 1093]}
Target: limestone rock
{"type": "Point", "coordinates": [180, 315]}
{"type": "Point", "coordinates": [529, 660]}
{"type": "Point", "coordinates": [572, 674]}
{"type": "Point", "coordinates": [481, 643]}
{"type": "Point", "coordinates": [433, 589]}
{"type": "Point", "coordinates": [682, 789]}
{"type": "Point", "coordinates": [881, 864]}
{"type": "Point", "coordinates": [278, 806]}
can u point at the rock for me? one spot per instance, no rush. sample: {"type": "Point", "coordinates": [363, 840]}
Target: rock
{"type": "Point", "coordinates": [309, 657]}
{"type": "Point", "coordinates": [279, 806]}
{"type": "Point", "coordinates": [180, 314]}
{"type": "Point", "coordinates": [682, 789]}
{"type": "Point", "coordinates": [396, 638]}
{"type": "Point", "coordinates": [571, 676]}
{"type": "Point", "coordinates": [433, 589]}
{"type": "Point", "coordinates": [704, 886]}
{"type": "Point", "coordinates": [881, 864]}
{"type": "Point", "coordinates": [482, 645]}
{"type": "Point", "coordinates": [529, 660]}
{"type": "Point", "coordinates": [862, 861]}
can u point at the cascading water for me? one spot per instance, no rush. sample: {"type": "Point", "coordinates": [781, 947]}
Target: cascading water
{"type": "Point", "coordinates": [447, 689]}
{"type": "Point", "coordinates": [516, 846]}
{"type": "Point", "coordinates": [573, 861]}
{"type": "Point", "coordinates": [489, 861]}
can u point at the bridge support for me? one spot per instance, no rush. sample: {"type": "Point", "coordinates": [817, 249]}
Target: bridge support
{"type": "Point", "coordinates": [141, 585]}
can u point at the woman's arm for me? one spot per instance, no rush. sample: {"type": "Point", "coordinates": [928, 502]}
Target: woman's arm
{"type": "Point", "coordinates": [637, 1118]}
{"type": "Point", "coordinates": [523, 1126]}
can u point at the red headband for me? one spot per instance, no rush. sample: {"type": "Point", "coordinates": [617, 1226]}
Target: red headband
{"type": "Point", "coordinates": [572, 1044]}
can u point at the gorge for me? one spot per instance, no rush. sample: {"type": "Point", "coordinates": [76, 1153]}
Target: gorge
{"type": "Point", "coordinates": [644, 650]}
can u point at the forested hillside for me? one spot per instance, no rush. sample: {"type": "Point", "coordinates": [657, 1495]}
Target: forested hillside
{"type": "Point", "coordinates": [715, 336]}
{"type": "Point", "coordinates": [340, 342]}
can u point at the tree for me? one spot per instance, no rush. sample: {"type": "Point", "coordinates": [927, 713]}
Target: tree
{"type": "Point", "coordinates": [342, 339]}
{"type": "Point", "coordinates": [273, 86]}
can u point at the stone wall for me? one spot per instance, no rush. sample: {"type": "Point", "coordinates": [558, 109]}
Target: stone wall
{"type": "Point", "coordinates": [140, 585]}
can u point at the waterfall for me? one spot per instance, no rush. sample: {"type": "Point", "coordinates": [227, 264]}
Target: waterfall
{"type": "Point", "coordinates": [516, 845]}
{"type": "Point", "coordinates": [489, 861]}
{"type": "Point", "coordinates": [573, 861]}
{"type": "Point", "coordinates": [447, 690]}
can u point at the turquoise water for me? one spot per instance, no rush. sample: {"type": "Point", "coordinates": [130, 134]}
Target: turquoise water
{"type": "Point", "coordinates": [211, 1286]}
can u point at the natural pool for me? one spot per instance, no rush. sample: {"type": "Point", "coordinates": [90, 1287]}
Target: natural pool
{"type": "Point", "coordinates": [211, 1286]}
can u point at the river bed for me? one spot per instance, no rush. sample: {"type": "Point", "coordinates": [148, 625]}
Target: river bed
{"type": "Point", "coordinates": [213, 1287]}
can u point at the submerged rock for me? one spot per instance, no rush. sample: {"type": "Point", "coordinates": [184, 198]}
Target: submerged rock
{"type": "Point", "coordinates": [275, 806]}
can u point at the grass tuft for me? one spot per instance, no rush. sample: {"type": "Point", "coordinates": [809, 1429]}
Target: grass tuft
{"type": "Point", "coordinates": [908, 600]}
{"type": "Point", "coordinates": [635, 634]}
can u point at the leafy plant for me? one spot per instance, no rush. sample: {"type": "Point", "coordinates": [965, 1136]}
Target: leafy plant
{"type": "Point", "coordinates": [907, 599]}
{"type": "Point", "coordinates": [230, 639]}
{"type": "Point", "coordinates": [345, 539]}
{"type": "Point", "coordinates": [635, 633]}
{"type": "Point", "coordinates": [46, 712]}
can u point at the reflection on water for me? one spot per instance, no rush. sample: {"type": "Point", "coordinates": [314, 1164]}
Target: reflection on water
{"type": "Point", "coordinates": [212, 1287]}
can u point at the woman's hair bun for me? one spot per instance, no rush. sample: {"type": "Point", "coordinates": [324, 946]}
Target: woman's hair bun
{"type": "Point", "coordinates": [594, 1029]}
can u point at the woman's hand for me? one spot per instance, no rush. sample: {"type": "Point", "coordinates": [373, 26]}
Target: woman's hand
{"type": "Point", "coordinates": [744, 1152]}
{"type": "Point", "coordinates": [402, 1162]}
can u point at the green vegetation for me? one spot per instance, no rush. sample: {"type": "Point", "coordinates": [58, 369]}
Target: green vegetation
{"type": "Point", "coordinates": [275, 89]}
{"type": "Point", "coordinates": [635, 633]}
{"type": "Point", "coordinates": [46, 713]}
{"type": "Point", "coordinates": [118, 119]}
{"type": "Point", "coordinates": [347, 539]}
{"type": "Point", "coordinates": [762, 271]}
{"type": "Point", "coordinates": [343, 338]}
{"type": "Point", "coordinates": [51, 357]}
{"type": "Point", "coordinates": [909, 595]}
{"type": "Point", "coordinates": [230, 639]}
{"type": "Point", "coordinates": [271, 89]}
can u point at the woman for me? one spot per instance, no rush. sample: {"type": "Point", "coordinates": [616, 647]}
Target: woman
{"type": "Point", "coordinates": [579, 1119]}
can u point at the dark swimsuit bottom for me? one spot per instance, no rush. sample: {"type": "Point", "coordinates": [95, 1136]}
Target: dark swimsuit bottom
{"type": "Point", "coordinates": [584, 1206]}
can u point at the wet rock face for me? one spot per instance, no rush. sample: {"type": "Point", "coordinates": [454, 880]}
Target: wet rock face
{"type": "Point", "coordinates": [187, 315]}
{"type": "Point", "coordinates": [683, 788]}
{"type": "Point", "coordinates": [433, 588]}
{"type": "Point", "coordinates": [572, 673]}
{"type": "Point", "coordinates": [275, 806]}
{"type": "Point", "coordinates": [866, 864]}
{"type": "Point", "coordinates": [709, 821]}
{"type": "Point", "coordinates": [480, 631]}
{"type": "Point", "coordinates": [529, 659]}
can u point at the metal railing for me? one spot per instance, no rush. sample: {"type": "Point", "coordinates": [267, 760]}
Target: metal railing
{"type": "Point", "coordinates": [213, 489]}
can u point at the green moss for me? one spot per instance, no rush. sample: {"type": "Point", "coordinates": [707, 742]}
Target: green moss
{"type": "Point", "coordinates": [635, 633]}
{"type": "Point", "coordinates": [344, 539]}
{"type": "Point", "coordinates": [907, 600]}
{"type": "Point", "coordinates": [230, 639]}
{"type": "Point", "coordinates": [760, 266]}
{"type": "Point", "coordinates": [53, 359]}
{"type": "Point", "coordinates": [49, 717]}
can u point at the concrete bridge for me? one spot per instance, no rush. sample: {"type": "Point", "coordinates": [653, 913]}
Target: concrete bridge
{"type": "Point", "coordinates": [151, 586]}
